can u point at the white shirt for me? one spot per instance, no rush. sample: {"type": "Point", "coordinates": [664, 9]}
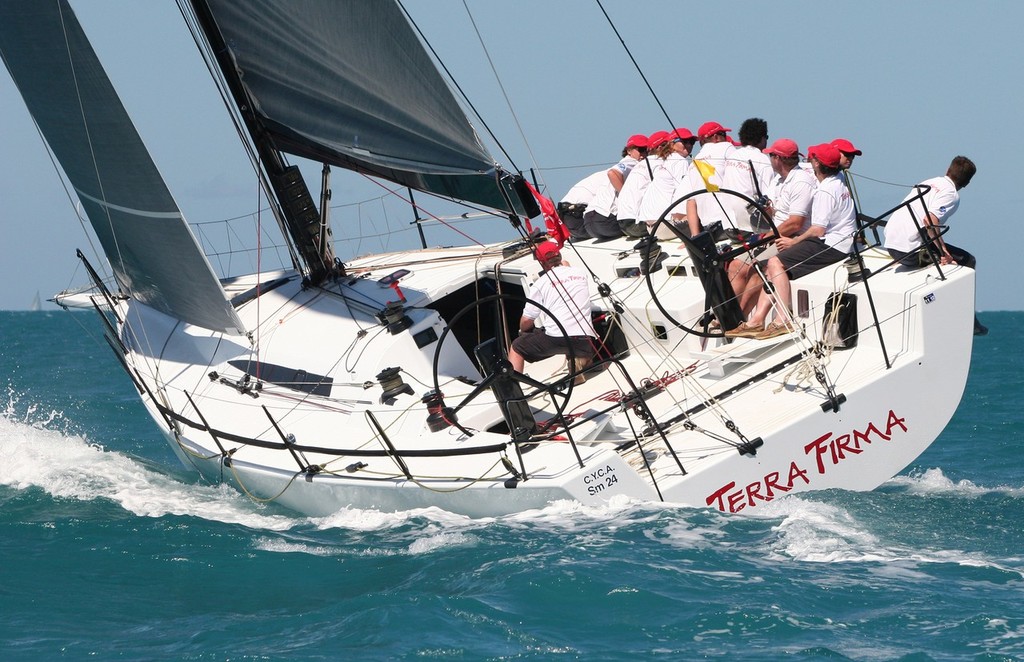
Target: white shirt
{"type": "Point", "coordinates": [833, 210]}
{"type": "Point", "coordinates": [584, 190]}
{"type": "Point", "coordinates": [942, 200]}
{"type": "Point", "coordinates": [604, 200]}
{"type": "Point", "coordinates": [632, 192]}
{"type": "Point", "coordinates": [668, 175]}
{"type": "Point", "coordinates": [794, 195]}
{"type": "Point", "coordinates": [738, 176]}
{"type": "Point", "coordinates": [728, 209]}
{"type": "Point", "coordinates": [565, 292]}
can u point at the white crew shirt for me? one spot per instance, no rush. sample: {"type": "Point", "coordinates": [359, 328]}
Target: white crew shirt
{"type": "Point", "coordinates": [632, 192]}
{"type": "Point", "coordinates": [583, 191]}
{"type": "Point", "coordinates": [942, 200]}
{"type": "Point", "coordinates": [565, 292]}
{"type": "Point", "coordinates": [795, 195]}
{"type": "Point", "coordinates": [729, 209]}
{"type": "Point", "coordinates": [833, 210]}
{"type": "Point", "coordinates": [738, 176]}
{"type": "Point", "coordinates": [669, 173]}
{"type": "Point", "coordinates": [604, 201]}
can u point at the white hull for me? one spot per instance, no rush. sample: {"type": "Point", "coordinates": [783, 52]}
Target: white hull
{"type": "Point", "coordinates": [887, 416]}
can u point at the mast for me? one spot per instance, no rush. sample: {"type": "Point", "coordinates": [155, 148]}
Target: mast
{"type": "Point", "coordinates": [310, 232]}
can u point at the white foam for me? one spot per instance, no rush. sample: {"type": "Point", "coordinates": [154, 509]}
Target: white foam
{"type": "Point", "coordinates": [816, 532]}
{"type": "Point", "coordinates": [933, 481]}
{"type": "Point", "coordinates": [67, 466]}
{"type": "Point", "coordinates": [288, 547]}
{"type": "Point", "coordinates": [568, 514]}
{"type": "Point", "coordinates": [432, 543]}
{"type": "Point", "coordinates": [374, 520]}
{"type": "Point", "coordinates": [821, 533]}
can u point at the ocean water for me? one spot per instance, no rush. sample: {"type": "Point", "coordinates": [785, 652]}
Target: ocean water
{"type": "Point", "coordinates": [110, 550]}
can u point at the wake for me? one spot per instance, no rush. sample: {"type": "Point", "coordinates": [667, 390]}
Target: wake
{"type": "Point", "coordinates": [67, 466]}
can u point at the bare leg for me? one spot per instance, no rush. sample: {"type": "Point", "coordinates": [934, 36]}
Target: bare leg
{"type": "Point", "coordinates": [739, 274]}
{"type": "Point", "coordinates": [783, 291]}
{"type": "Point", "coordinates": [516, 359]}
{"type": "Point", "coordinates": [746, 283]}
{"type": "Point", "coordinates": [776, 274]}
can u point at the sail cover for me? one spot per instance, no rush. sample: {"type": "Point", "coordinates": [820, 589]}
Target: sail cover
{"type": "Point", "coordinates": [350, 84]}
{"type": "Point", "coordinates": [151, 249]}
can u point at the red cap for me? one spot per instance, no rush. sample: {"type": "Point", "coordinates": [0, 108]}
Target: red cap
{"type": "Point", "coordinates": [784, 147]}
{"type": "Point", "coordinates": [827, 154]}
{"type": "Point", "coordinates": [710, 128]}
{"type": "Point", "coordinates": [845, 146]}
{"type": "Point", "coordinates": [639, 140]}
{"type": "Point", "coordinates": [546, 250]}
{"type": "Point", "coordinates": [682, 134]}
{"type": "Point", "coordinates": [657, 139]}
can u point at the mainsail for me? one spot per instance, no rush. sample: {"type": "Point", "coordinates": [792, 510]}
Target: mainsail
{"type": "Point", "coordinates": [151, 249]}
{"type": "Point", "coordinates": [350, 84]}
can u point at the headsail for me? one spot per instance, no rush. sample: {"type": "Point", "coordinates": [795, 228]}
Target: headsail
{"type": "Point", "coordinates": [349, 84]}
{"type": "Point", "coordinates": [150, 247]}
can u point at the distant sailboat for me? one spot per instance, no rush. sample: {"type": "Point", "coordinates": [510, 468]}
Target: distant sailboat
{"type": "Point", "coordinates": [36, 303]}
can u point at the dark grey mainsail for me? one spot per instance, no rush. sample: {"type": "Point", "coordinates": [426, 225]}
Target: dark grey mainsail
{"type": "Point", "coordinates": [151, 249]}
{"type": "Point", "coordinates": [350, 84]}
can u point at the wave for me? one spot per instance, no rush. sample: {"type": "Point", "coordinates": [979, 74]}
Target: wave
{"type": "Point", "coordinates": [68, 466]}
{"type": "Point", "coordinates": [817, 532]}
{"type": "Point", "coordinates": [37, 452]}
{"type": "Point", "coordinates": [934, 482]}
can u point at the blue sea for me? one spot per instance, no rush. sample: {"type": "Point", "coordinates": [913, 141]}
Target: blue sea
{"type": "Point", "coordinates": [109, 549]}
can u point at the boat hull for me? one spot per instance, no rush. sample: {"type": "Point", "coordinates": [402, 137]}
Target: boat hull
{"type": "Point", "coordinates": [738, 424]}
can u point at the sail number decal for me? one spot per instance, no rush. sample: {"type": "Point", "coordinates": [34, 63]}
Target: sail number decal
{"type": "Point", "coordinates": [599, 480]}
{"type": "Point", "coordinates": [828, 450]}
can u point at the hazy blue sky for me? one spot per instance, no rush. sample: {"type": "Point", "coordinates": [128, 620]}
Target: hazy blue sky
{"type": "Point", "coordinates": [910, 83]}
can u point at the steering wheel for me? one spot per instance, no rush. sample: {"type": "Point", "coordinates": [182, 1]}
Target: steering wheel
{"type": "Point", "coordinates": [559, 391]}
{"type": "Point", "coordinates": [696, 252]}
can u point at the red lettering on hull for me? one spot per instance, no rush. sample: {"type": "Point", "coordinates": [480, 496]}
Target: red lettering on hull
{"type": "Point", "coordinates": [828, 450]}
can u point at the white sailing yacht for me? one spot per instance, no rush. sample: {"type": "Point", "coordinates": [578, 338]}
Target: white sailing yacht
{"type": "Point", "coordinates": [382, 381]}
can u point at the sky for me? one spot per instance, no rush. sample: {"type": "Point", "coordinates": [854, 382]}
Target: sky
{"type": "Point", "coordinates": [911, 83]}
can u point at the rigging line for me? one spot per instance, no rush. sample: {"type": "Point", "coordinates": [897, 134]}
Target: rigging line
{"type": "Point", "coordinates": [96, 170]}
{"type": "Point", "coordinates": [451, 78]}
{"type": "Point", "coordinates": [635, 64]}
{"type": "Point", "coordinates": [76, 207]}
{"type": "Point", "coordinates": [494, 70]}
{"type": "Point", "coordinates": [208, 59]}
{"type": "Point", "coordinates": [259, 279]}
{"type": "Point", "coordinates": [416, 206]}
{"type": "Point", "coordinates": [881, 181]}
{"type": "Point", "coordinates": [88, 133]}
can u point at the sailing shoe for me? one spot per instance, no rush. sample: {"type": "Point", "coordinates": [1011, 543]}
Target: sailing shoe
{"type": "Point", "coordinates": [744, 330]}
{"type": "Point", "coordinates": [774, 329]}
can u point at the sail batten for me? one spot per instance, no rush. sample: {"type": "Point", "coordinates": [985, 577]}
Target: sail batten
{"type": "Point", "coordinates": [350, 84]}
{"type": "Point", "coordinates": [151, 249]}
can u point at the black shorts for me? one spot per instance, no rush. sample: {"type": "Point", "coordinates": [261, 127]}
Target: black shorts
{"type": "Point", "coordinates": [808, 256]}
{"type": "Point", "coordinates": [537, 345]}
